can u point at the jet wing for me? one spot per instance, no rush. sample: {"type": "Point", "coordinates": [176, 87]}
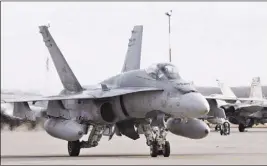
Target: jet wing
{"type": "Point", "coordinates": [247, 106]}
{"type": "Point", "coordinates": [231, 98]}
{"type": "Point", "coordinates": [87, 94]}
{"type": "Point", "coordinates": [221, 98]}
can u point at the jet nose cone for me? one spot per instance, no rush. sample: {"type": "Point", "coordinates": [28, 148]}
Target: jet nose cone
{"type": "Point", "coordinates": [195, 104]}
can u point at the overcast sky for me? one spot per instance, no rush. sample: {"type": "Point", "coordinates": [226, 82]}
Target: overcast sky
{"type": "Point", "coordinates": [225, 40]}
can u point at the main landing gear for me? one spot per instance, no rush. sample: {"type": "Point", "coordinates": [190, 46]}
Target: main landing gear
{"type": "Point", "coordinates": [223, 128]}
{"type": "Point", "coordinates": [247, 124]}
{"type": "Point", "coordinates": [241, 127]}
{"type": "Point", "coordinates": [156, 140]}
{"type": "Point", "coordinates": [156, 150]}
{"type": "Point", "coordinates": [74, 147]}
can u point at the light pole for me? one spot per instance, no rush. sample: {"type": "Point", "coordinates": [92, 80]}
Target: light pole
{"type": "Point", "coordinates": [169, 14]}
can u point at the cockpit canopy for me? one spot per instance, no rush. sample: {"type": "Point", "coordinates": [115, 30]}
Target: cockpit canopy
{"type": "Point", "coordinates": [163, 71]}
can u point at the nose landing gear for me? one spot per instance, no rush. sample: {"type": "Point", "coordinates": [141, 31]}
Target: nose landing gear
{"type": "Point", "coordinates": [156, 140]}
{"type": "Point", "coordinates": [223, 128]}
{"type": "Point", "coordinates": [157, 149]}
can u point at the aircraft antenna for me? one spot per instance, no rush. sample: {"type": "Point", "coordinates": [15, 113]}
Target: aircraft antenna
{"type": "Point", "coordinates": [169, 14]}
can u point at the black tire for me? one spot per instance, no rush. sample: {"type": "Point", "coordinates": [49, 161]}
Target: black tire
{"type": "Point", "coordinates": [74, 148]}
{"type": "Point", "coordinates": [218, 128]}
{"type": "Point", "coordinates": [167, 149]}
{"type": "Point", "coordinates": [221, 132]}
{"type": "Point", "coordinates": [154, 149]}
{"type": "Point", "coordinates": [160, 152]}
{"type": "Point", "coordinates": [241, 128]}
{"type": "Point", "coordinates": [227, 127]}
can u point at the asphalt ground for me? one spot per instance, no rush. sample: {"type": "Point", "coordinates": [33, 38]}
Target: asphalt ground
{"type": "Point", "coordinates": [37, 147]}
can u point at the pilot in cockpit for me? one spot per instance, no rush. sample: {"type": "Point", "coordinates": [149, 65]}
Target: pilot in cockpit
{"type": "Point", "coordinates": [167, 71]}
{"type": "Point", "coordinates": [163, 71]}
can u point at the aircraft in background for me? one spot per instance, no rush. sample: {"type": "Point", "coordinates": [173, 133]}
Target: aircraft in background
{"type": "Point", "coordinates": [246, 113]}
{"type": "Point", "coordinates": [220, 119]}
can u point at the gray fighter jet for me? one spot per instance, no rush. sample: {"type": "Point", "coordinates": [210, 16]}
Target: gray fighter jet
{"type": "Point", "coordinates": [247, 113]}
{"type": "Point", "coordinates": [220, 118]}
{"type": "Point", "coordinates": [137, 101]}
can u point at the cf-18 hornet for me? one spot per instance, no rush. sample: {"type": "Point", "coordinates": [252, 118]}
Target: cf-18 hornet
{"type": "Point", "coordinates": [249, 112]}
{"type": "Point", "coordinates": [148, 101]}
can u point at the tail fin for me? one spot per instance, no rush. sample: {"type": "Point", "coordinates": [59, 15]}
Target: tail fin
{"type": "Point", "coordinates": [256, 89]}
{"type": "Point", "coordinates": [226, 90]}
{"type": "Point", "coordinates": [65, 73]}
{"type": "Point", "coordinates": [133, 55]}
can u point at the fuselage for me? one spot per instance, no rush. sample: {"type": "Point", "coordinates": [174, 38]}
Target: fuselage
{"type": "Point", "coordinates": [175, 97]}
{"type": "Point", "coordinates": [178, 98]}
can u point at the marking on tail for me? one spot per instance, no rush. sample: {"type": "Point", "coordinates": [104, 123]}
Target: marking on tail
{"type": "Point", "coordinates": [256, 89]}
{"type": "Point", "coordinates": [64, 71]}
{"type": "Point", "coordinates": [133, 55]}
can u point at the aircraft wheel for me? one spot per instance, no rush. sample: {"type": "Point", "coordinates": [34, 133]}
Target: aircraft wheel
{"type": "Point", "coordinates": [221, 132]}
{"type": "Point", "coordinates": [167, 149]}
{"type": "Point", "coordinates": [154, 149]}
{"type": "Point", "coordinates": [160, 152]}
{"type": "Point", "coordinates": [227, 128]}
{"type": "Point", "coordinates": [241, 128]}
{"type": "Point", "coordinates": [217, 127]}
{"type": "Point", "coordinates": [74, 148]}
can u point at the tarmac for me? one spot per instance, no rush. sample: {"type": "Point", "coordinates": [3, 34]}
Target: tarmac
{"type": "Point", "coordinates": [38, 148]}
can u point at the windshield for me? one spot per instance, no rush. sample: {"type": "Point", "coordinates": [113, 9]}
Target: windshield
{"type": "Point", "coordinates": [170, 71]}
{"type": "Point", "coordinates": [163, 71]}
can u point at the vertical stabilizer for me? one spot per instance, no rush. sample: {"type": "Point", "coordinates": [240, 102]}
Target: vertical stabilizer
{"type": "Point", "coordinates": [133, 55]}
{"type": "Point", "coordinates": [226, 90]}
{"type": "Point", "coordinates": [256, 89]}
{"type": "Point", "coordinates": [65, 73]}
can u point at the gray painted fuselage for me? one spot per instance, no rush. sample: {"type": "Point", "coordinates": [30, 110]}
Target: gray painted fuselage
{"type": "Point", "coordinates": [175, 97]}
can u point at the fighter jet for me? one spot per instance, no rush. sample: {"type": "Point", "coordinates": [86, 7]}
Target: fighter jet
{"type": "Point", "coordinates": [219, 118]}
{"type": "Point", "coordinates": [136, 101]}
{"type": "Point", "coordinates": [249, 112]}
